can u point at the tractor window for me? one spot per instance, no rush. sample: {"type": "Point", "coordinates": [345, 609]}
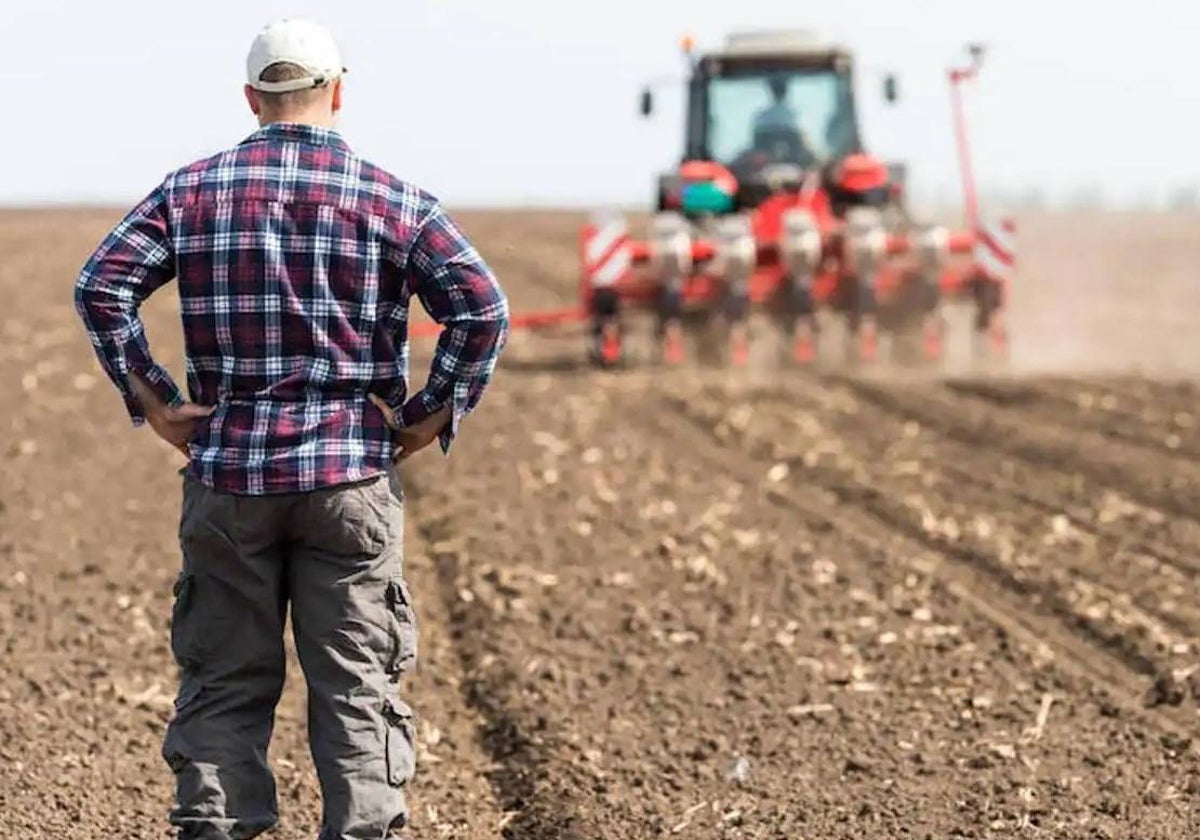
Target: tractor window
{"type": "Point", "coordinates": [794, 116]}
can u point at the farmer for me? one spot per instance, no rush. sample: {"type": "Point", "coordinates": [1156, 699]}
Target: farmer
{"type": "Point", "coordinates": [776, 128]}
{"type": "Point", "coordinates": [779, 114]}
{"type": "Point", "coordinates": [295, 261]}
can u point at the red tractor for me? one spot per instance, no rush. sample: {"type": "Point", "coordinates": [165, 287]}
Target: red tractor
{"type": "Point", "coordinates": [777, 209]}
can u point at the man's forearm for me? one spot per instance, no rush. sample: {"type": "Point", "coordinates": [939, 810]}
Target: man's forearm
{"type": "Point", "coordinates": [460, 372]}
{"type": "Point", "coordinates": [462, 366]}
{"type": "Point", "coordinates": [149, 400]}
{"type": "Point", "coordinates": [118, 339]}
{"type": "Point", "coordinates": [460, 292]}
{"type": "Point", "coordinates": [131, 262]}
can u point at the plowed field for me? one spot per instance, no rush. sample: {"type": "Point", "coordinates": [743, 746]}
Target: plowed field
{"type": "Point", "coordinates": [695, 604]}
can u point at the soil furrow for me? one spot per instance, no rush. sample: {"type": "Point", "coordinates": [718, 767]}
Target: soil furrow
{"type": "Point", "coordinates": [1104, 512]}
{"type": "Point", "coordinates": [862, 509]}
{"type": "Point", "coordinates": [1065, 532]}
{"type": "Point", "coordinates": [450, 795]}
{"type": "Point", "coordinates": [1128, 599]}
{"type": "Point", "coordinates": [1154, 479]}
{"type": "Point", "coordinates": [532, 799]}
{"type": "Point", "coordinates": [1162, 395]}
{"type": "Point", "coordinates": [1140, 424]}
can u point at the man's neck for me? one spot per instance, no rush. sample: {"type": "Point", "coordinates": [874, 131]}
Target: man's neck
{"type": "Point", "coordinates": [327, 121]}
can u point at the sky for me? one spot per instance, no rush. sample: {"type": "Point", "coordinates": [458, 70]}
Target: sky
{"type": "Point", "coordinates": [521, 102]}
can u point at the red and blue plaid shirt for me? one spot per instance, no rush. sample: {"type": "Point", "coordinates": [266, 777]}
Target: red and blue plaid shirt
{"type": "Point", "coordinates": [295, 262]}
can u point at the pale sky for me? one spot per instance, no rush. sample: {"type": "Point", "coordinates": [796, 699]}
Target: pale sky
{"type": "Point", "coordinates": [534, 101]}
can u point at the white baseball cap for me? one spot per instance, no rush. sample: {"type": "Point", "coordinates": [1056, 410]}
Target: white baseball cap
{"type": "Point", "coordinates": [301, 42]}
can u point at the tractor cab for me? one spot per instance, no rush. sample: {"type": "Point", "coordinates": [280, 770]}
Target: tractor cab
{"type": "Point", "coordinates": [764, 112]}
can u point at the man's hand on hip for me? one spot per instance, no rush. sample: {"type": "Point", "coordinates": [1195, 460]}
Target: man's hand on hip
{"type": "Point", "coordinates": [174, 424]}
{"type": "Point", "coordinates": [414, 438]}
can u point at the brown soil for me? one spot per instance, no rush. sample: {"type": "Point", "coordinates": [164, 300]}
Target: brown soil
{"type": "Point", "coordinates": [695, 604]}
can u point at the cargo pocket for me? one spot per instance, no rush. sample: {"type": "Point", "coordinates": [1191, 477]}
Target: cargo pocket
{"type": "Point", "coordinates": [185, 641]}
{"type": "Point", "coordinates": [403, 629]}
{"type": "Point", "coordinates": [401, 741]}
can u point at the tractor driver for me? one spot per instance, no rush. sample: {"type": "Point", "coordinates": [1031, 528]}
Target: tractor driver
{"type": "Point", "coordinates": [779, 114]}
{"type": "Point", "coordinates": [777, 127]}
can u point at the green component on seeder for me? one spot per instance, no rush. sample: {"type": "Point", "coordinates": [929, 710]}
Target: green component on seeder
{"type": "Point", "coordinates": [706, 197]}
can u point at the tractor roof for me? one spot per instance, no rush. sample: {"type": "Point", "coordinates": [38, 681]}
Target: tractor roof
{"type": "Point", "coordinates": [780, 43]}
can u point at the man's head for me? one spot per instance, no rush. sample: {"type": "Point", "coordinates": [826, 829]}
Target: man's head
{"type": "Point", "coordinates": [293, 74]}
{"type": "Point", "coordinates": [779, 86]}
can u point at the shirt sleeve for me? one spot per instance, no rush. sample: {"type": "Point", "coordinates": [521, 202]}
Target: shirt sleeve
{"type": "Point", "coordinates": [460, 292]}
{"type": "Point", "coordinates": [133, 260]}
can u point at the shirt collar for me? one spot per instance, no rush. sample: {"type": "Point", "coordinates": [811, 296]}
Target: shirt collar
{"type": "Point", "coordinates": [298, 133]}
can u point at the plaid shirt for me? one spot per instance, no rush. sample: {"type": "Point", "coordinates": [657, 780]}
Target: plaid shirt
{"type": "Point", "coordinates": [295, 261]}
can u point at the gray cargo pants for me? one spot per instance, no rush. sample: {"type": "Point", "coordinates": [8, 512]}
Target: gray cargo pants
{"type": "Point", "coordinates": [335, 556]}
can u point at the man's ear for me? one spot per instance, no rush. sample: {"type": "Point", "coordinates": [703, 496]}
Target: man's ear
{"type": "Point", "coordinates": [337, 95]}
{"type": "Point", "coordinates": [253, 101]}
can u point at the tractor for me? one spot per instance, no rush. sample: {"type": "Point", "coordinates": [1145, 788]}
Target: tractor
{"type": "Point", "coordinates": [777, 209]}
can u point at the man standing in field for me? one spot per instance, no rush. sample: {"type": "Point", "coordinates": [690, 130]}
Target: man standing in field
{"type": "Point", "coordinates": [295, 261]}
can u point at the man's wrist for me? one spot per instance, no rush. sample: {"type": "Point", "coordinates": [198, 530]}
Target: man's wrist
{"type": "Point", "coordinates": [144, 395]}
{"type": "Point", "coordinates": [419, 409]}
